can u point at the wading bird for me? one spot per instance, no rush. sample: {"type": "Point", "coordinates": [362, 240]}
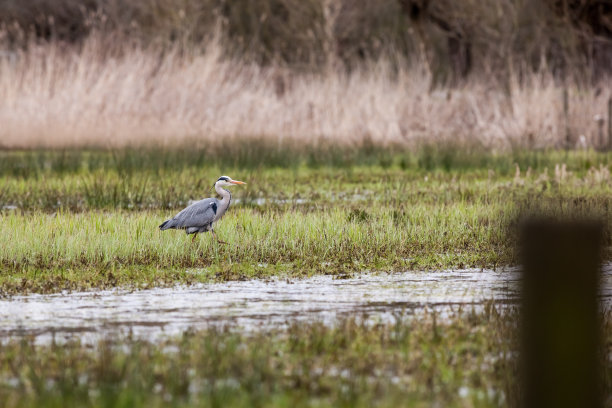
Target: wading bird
{"type": "Point", "coordinates": [201, 215]}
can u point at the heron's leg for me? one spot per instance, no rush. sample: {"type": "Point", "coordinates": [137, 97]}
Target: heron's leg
{"type": "Point", "coordinates": [215, 236]}
{"type": "Point", "coordinates": [194, 237]}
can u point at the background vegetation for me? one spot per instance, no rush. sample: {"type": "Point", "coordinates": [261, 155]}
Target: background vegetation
{"type": "Point", "coordinates": [455, 38]}
{"type": "Point", "coordinates": [498, 75]}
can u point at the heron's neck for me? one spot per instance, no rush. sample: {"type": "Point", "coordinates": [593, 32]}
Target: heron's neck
{"type": "Point", "coordinates": [225, 194]}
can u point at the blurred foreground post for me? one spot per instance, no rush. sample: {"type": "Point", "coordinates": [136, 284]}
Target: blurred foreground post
{"type": "Point", "coordinates": [560, 324]}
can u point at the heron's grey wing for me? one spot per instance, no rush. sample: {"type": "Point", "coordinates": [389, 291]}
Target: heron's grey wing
{"type": "Point", "coordinates": [198, 214]}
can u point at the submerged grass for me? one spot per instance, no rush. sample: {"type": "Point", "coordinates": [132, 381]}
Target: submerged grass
{"type": "Point", "coordinates": [81, 227]}
{"type": "Point", "coordinates": [467, 359]}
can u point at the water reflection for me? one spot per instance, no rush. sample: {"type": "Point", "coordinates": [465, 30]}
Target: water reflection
{"type": "Point", "coordinates": [250, 305]}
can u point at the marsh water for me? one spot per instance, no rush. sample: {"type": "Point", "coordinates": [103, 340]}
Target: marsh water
{"type": "Point", "coordinates": [249, 305]}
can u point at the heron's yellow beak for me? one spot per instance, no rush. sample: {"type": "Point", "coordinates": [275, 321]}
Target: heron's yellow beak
{"type": "Point", "coordinates": [238, 182]}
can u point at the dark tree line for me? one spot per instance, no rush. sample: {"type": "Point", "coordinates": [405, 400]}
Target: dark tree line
{"type": "Point", "coordinates": [456, 38]}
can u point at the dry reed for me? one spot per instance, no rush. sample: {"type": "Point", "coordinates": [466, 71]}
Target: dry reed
{"type": "Point", "coordinates": [56, 96]}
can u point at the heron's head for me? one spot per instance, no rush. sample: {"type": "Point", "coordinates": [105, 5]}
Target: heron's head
{"type": "Point", "coordinates": [225, 181]}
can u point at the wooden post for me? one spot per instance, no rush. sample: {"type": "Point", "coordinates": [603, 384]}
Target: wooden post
{"type": "Point", "coordinates": [560, 324]}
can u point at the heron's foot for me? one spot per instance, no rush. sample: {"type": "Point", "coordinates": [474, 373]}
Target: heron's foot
{"type": "Point", "coordinates": [218, 240]}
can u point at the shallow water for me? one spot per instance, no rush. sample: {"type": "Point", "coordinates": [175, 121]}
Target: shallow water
{"type": "Point", "coordinates": [249, 305]}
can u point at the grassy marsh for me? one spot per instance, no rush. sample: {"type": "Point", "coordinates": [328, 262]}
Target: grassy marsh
{"type": "Point", "coordinates": [154, 179]}
{"type": "Point", "coordinates": [466, 360]}
{"type": "Point", "coordinates": [77, 227]}
{"type": "Point", "coordinates": [84, 220]}
{"type": "Point", "coordinates": [94, 245]}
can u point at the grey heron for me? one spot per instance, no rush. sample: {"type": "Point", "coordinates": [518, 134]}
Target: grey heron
{"type": "Point", "coordinates": [201, 215]}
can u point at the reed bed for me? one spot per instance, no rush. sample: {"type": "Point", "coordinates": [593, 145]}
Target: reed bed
{"type": "Point", "coordinates": [52, 96]}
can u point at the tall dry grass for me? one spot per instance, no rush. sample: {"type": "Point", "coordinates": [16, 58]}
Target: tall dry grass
{"type": "Point", "coordinates": [57, 96]}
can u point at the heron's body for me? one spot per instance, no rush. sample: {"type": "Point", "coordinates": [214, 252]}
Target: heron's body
{"type": "Point", "coordinates": [201, 215]}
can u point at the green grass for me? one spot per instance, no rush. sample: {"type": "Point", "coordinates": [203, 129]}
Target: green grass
{"type": "Point", "coordinates": [157, 179]}
{"type": "Point", "coordinates": [97, 227]}
{"type": "Point", "coordinates": [253, 154]}
{"type": "Point", "coordinates": [84, 248]}
{"type": "Point", "coordinates": [466, 360]}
